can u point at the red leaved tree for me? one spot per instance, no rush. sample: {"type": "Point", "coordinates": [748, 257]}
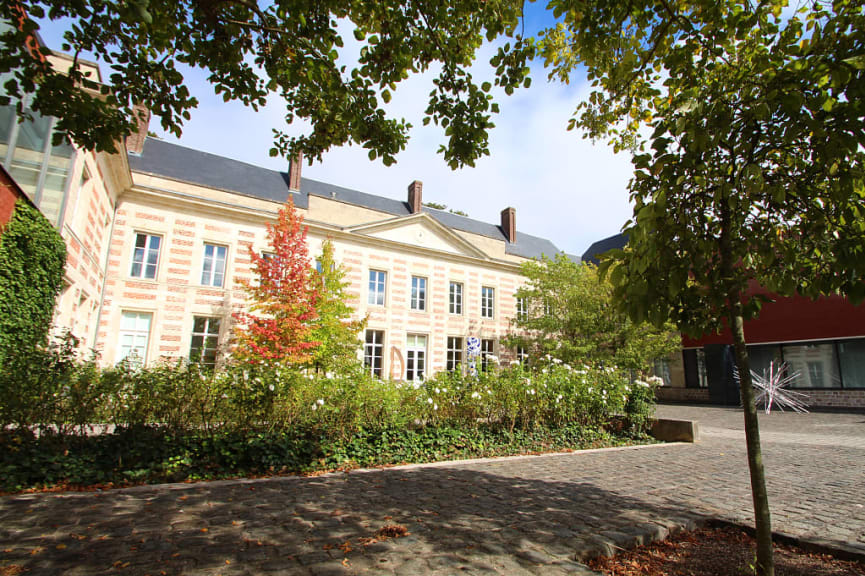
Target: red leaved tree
{"type": "Point", "coordinates": [283, 300]}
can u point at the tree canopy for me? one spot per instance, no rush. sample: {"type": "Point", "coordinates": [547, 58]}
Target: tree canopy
{"type": "Point", "coordinates": [566, 311]}
{"type": "Point", "coordinates": [253, 49]}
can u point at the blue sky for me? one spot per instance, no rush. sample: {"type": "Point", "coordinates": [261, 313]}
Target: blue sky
{"type": "Point", "coordinates": [563, 187]}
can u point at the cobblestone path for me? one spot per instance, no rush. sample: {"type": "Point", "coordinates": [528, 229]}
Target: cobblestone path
{"type": "Point", "coordinates": [532, 515]}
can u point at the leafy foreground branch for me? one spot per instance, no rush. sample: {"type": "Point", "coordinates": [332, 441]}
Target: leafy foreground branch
{"type": "Point", "coordinates": [174, 422]}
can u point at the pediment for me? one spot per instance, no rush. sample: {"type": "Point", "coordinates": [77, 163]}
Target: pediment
{"type": "Point", "coordinates": [418, 230]}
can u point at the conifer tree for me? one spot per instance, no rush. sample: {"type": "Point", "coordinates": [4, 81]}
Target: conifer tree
{"type": "Point", "coordinates": [283, 301]}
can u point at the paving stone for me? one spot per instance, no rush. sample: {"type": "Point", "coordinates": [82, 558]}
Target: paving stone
{"type": "Point", "coordinates": [532, 515]}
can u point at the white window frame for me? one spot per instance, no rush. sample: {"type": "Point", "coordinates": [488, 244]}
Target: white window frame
{"type": "Point", "coordinates": [415, 357]}
{"type": "Point", "coordinates": [522, 308]}
{"type": "Point", "coordinates": [488, 302]}
{"type": "Point", "coordinates": [488, 348]}
{"type": "Point", "coordinates": [372, 351]}
{"type": "Point", "coordinates": [208, 278]}
{"type": "Point", "coordinates": [454, 354]}
{"type": "Point", "coordinates": [377, 288]}
{"type": "Point", "coordinates": [455, 298]}
{"type": "Point", "coordinates": [522, 354]}
{"type": "Point", "coordinates": [418, 293]}
{"type": "Point", "coordinates": [145, 253]}
{"type": "Point", "coordinates": [140, 337]}
{"type": "Point", "coordinates": [205, 336]}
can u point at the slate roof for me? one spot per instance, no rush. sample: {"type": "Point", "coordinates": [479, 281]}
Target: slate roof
{"type": "Point", "coordinates": [167, 160]}
{"type": "Point", "coordinates": [616, 241]}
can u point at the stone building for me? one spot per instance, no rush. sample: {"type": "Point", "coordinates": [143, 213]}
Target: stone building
{"type": "Point", "coordinates": [159, 239]}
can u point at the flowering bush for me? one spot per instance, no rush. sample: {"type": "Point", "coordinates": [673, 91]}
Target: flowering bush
{"type": "Point", "coordinates": [177, 420]}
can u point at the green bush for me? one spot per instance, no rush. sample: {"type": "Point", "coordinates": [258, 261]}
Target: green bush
{"type": "Point", "coordinates": [32, 257]}
{"type": "Point", "coordinates": [74, 423]}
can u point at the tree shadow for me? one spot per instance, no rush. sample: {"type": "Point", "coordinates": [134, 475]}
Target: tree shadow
{"type": "Point", "coordinates": [458, 518]}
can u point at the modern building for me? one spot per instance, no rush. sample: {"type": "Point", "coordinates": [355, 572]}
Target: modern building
{"type": "Point", "coordinates": [822, 342]}
{"type": "Point", "coordinates": [159, 241]}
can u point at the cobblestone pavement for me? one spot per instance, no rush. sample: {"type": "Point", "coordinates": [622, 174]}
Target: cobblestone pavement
{"type": "Point", "coordinates": [532, 515]}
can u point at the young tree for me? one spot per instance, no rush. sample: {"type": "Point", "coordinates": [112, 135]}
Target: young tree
{"type": "Point", "coordinates": [754, 174]}
{"type": "Point", "coordinates": [283, 300]}
{"type": "Point", "coordinates": [252, 49]}
{"type": "Point", "coordinates": [333, 328]}
{"type": "Point", "coordinates": [567, 311]}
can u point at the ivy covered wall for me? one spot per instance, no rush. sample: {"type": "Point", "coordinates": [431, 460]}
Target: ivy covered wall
{"type": "Point", "coordinates": [32, 257]}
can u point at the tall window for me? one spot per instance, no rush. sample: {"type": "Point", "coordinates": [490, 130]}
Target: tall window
{"type": "Point", "coordinates": [486, 352]}
{"type": "Point", "coordinates": [415, 357]}
{"type": "Point", "coordinates": [455, 304]}
{"type": "Point", "coordinates": [522, 354]}
{"type": "Point", "coordinates": [418, 293]}
{"type": "Point", "coordinates": [488, 302]}
{"type": "Point", "coordinates": [213, 271]}
{"type": "Point", "coordinates": [205, 340]}
{"type": "Point", "coordinates": [454, 353]}
{"type": "Point", "coordinates": [522, 308]}
{"type": "Point", "coordinates": [134, 333]}
{"type": "Point", "coordinates": [377, 285]}
{"type": "Point", "coordinates": [145, 256]}
{"type": "Point", "coordinates": [39, 167]}
{"type": "Point", "coordinates": [373, 351]}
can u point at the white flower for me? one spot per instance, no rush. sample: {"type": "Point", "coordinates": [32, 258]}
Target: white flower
{"type": "Point", "coordinates": [272, 387]}
{"type": "Point", "coordinates": [559, 397]}
{"type": "Point", "coordinates": [532, 391]}
{"type": "Point", "coordinates": [567, 367]}
{"type": "Point", "coordinates": [493, 358]}
{"type": "Point", "coordinates": [556, 361]}
{"type": "Point", "coordinates": [547, 357]}
{"type": "Point", "coordinates": [429, 400]}
{"type": "Point", "coordinates": [656, 380]}
{"type": "Point", "coordinates": [604, 392]}
{"type": "Point", "coordinates": [320, 402]}
{"type": "Point", "coordinates": [627, 388]}
{"type": "Point", "coordinates": [641, 383]}
{"type": "Point", "coordinates": [314, 406]}
{"type": "Point", "coordinates": [435, 406]}
{"type": "Point", "coordinates": [328, 374]}
{"type": "Point", "coordinates": [544, 371]}
{"type": "Point", "coordinates": [514, 362]}
{"type": "Point", "coordinates": [475, 395]}
{"type": "Point", "coordinates": [590, 388]}
{"type": "Point", "coordinates": [438, 391]}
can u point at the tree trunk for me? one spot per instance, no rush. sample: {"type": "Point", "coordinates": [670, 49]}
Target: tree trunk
{"type": "Point", "coordinates": [765, 562]}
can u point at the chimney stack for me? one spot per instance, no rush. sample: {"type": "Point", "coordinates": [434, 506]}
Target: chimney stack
{"type": "Point", "coordinates": [294, 166]}
{"type": "Point", "coordinates": [415, 196]}
{"type": "Point", "coordinates": [509, 224]}
{"type": "Point", "coordinates": [135, 141]}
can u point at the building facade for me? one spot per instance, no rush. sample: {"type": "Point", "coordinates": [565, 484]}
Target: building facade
{"type": "Point", "coordinates": [159, 242]}
{"type": "Point", "coordinates": [821, 341]}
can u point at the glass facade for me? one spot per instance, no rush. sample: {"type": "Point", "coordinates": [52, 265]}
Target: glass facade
{"type": "Point", "coordinates": [39, 167]}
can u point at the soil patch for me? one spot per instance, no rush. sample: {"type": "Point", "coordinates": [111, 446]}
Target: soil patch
{"type": "Point", "coordinates": [725, 551]}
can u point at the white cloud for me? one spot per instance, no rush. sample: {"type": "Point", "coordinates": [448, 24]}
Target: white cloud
{"type": "Point", "coordinates": [563, 187]}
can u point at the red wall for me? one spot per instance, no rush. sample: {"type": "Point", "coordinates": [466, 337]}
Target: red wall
{"type": "Point", "coordinates": [9, 193]}
{"type": "Point", "coordinates": [796, 318]}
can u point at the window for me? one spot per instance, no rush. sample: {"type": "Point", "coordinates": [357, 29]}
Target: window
{"type": "Point", "coordinates": [415, 357]}
{"type": "Point", "coordinates": [454, 353]}
{"type": "Point", "coordinates": [851, 356]}
{"type": "Point", "coordinates": [522, 354]}
{"type": "Point", "coordinates": [373, 351]}
{"type": "Point", "coordinates": [134, 332]}
{"type": "Point", "coordinates": [522, 308]}
{"type": "Point", "coordinates": [205, 340]}
{"type": "Point", "coordinates": [661, 369]}
{"type": "Point", "coordinates": [145, 256]}
{"type": "Point", "coordinates": [213, 271]}
{"type": "Point", "coordinates": [455, 305]}
{"type": "Point", "coordinates": [418, 293]}
{"type": "Point", "coordinates": [487, 347]}
{"type": "Point", "coordinates": [39, 167]}
{"type": "Point", "coordinates": [817, 365]}
{"type": "Point", "coordinates": [488, 302]}
{"type": "Point", "coordinates": [377, 286]}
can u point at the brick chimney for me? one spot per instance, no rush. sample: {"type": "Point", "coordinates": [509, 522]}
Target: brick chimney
{"type": "Point", "coordinates": [509, 224]}
{"type": "Point", "coordinates": [135, 141]}
{"type": "Point", "coordinates": [294, 166]}
{"type": "Point", "coordinates": [415, 196]}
